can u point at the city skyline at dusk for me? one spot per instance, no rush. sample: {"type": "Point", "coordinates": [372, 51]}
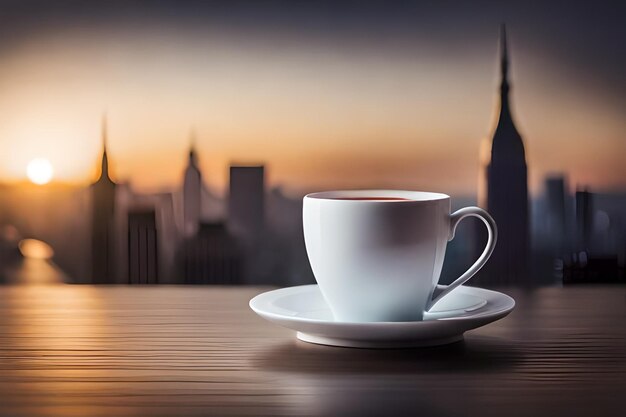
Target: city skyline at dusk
{"type": "Point", "coordinates": [352, 102]}
{"type": "Point", "coordinates": [319, 208]}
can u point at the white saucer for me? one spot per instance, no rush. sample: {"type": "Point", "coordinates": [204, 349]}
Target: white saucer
{"type": "Point", "coordinates": [303, 309]}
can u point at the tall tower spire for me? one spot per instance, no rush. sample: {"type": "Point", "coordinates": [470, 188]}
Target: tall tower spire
{"type": "Point", "coordinates": [192, 191]}
{"type": "Point", "coordinates": [103, 235]}
{"type": "Point", "coordinates": [104, 174]}
{"type": "Point", "coordinates": [504, 75]}
{"type": "Point", "coordinates": [104, 131]}
{"type": "Point", "coordinates": [504, 58]}
{"type": "Point", "coordinates": [193, 158]}
{"type": "Point", "coordinates": [505, 184]}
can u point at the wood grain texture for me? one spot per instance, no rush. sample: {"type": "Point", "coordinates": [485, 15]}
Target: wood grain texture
{"type": "Point", "coordinates": [192, 351]}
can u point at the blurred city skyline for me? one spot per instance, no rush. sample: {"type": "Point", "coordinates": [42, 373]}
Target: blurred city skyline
{"type": "Point", "coordinates": [326, 95]}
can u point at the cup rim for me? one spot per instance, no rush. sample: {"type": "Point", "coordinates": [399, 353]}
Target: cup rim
{"type": "Point", "coordinates": [406, 195]}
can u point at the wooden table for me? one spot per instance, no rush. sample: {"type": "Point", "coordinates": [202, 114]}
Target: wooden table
{"type": "Point", "coordinates": [190, 351]}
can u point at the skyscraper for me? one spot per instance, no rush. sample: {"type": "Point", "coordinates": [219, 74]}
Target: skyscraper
{"type": "Point", "coordinates": [246, 221]}
{"type": "Point", "coordinates": [192, 192]}
{"type": "Point", "coordinates": [102, 222]}
{"type": "Point", "coordinates": [584, 219]}
{"type": "Point", "coordinates": [142, 247]}
{"type": "Point", "coordinates": [506, 192]}
{"type": "Point", "coordinates": [212, 256]}
{"type": "Point", "coordinates": [556, 222]}
{"type": "Point", "coordinates": [246, 202]}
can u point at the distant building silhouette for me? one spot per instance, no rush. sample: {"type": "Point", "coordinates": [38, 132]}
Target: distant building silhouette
{"type": "Point", "coordinates": [192, 193]}
{"type": "Point", "coordinates": [556, 210]}
{"type": "Point", "coordinates": [212, 256]}
{"type": "Point", "coordinates": [596, 259]}
{"type": "Point", "coordinates": [584, 219]}
{"type": "Point", "coordinates": [143, 259]}
{"type": "Point", "coordinates": [505, 194]}
{"type": "Point", "coordinates": [103, 221]}
{"type": "Point", "coordinates": [246, 202]}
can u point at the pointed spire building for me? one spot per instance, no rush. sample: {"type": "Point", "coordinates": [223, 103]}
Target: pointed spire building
{"type": "Point", "coordinates": [192, 192]}
{"type": "Point", "coordinates": [506, 191]}
{"type": "Point", "coordinates": [103, 217]}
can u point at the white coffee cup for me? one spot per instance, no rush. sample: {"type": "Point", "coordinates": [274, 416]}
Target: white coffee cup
{"type": "Point", "coordinates": [377, 254]}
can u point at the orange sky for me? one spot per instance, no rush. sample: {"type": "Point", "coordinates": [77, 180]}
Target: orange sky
{"type": "Point", "coordinates": [318, 118]}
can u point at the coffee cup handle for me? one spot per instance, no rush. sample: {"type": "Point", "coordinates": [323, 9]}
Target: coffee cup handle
{"type": "Point", "coordinates": [455, 219]}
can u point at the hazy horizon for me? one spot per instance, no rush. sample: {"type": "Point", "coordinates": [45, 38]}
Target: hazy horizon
{"type": "Point", "coordinates": [327, 95]}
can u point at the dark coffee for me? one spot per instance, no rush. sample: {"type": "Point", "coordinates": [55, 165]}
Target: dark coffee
{"type": "Point", "coordinates": [371, 198]}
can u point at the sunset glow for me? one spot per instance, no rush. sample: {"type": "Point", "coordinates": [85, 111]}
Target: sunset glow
{"type": "Point", "coordinates": [403, 109]}
{"type": "Point", "coordinates": [39, 171]}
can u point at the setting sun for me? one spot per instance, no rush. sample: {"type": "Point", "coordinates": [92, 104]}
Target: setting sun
{"type": "Point", "coordinates": [39, 171]}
